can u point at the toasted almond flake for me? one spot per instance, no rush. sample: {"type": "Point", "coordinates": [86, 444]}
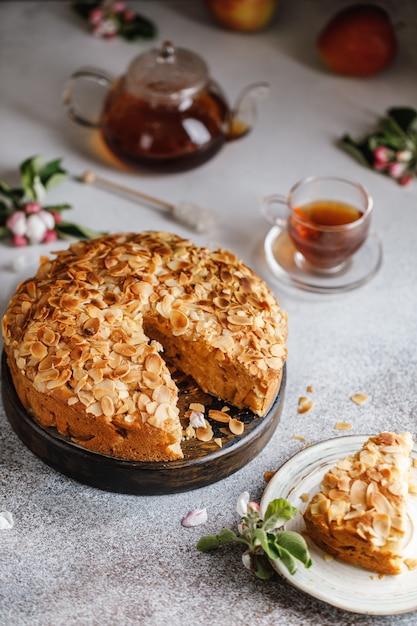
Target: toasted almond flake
{"type": "Point", "coordinates": [107, 406]}
{"type": "Point", "coordinates": [327, 557]}
{"type": "Point", "coordinates": [305, 497]}
{"type": "Point", "coordinates": [219, 416]}
{"type": "Point", "coordinates": [218, 441]}
{"type": "Point", "coordinates": [305, 407]}
{"type": "Point", "coordinates": [411, 563]}
{"type": "Point", "coordinates": [268, 475]}
{"type": "Point", "coordinates": [359, 398]}
{"type": "Point", "coordinates": [204, 434]}
{"type": "Point", "coordinates": [236, 426]}
{"type": "Point", "coordinates": [197, 406]}
{"type": "Point", "coordinates": [343, 426]}
{"type": "Point", "coordinates": [124, 349]}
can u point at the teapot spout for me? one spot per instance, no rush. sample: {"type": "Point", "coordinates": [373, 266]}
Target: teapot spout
{"type": "Point", "coordinates": [243, 116]}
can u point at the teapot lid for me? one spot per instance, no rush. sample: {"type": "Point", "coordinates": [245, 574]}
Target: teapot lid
{"type": "Point", "coordinates": [166, 73]}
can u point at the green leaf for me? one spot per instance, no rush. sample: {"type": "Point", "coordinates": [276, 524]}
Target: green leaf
{"type": "Point", "coordinates": [31, 182]}
{"type": "Point", "coordinates": [277, 513]}
{"type": "Point", "coordinates": [14, 194]}
{"type": "Point", "coordinates": [211, 542]}
{"type": "Point", "coordinates": [287, 559]}
{"type": "Point", "coordinates": [4, 232]}
{"type": "Point", "coordinates": [263, 568]}
{"type": "Point", "coordinates": [138, 28]}
{"type": "Point", "coordinates": [67, 230]}
{"type": "Point", "coordinates": [294, 544]}
{"type": "Point", "coordinates": [359, 150]}
{"type": "Point", "coordinates": [52, 174]}
{"type": "Point", "coordinates": [404, 117]}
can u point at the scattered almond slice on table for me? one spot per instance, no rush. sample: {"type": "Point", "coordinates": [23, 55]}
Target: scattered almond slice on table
{"type": "Point", "coordinates": [359, 398]}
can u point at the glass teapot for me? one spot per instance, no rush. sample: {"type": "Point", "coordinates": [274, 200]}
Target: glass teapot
{"type": "Point", "coordinates": [165, 112]}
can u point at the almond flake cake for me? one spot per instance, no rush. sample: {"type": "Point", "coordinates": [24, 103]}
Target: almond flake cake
{"type": "Point", "coordinates": [88, 339]}
{"type": "Point", "coordinates": [360, 513]}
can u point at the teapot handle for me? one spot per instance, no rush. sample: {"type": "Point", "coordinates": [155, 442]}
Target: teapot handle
{"type": "Point", "coordinates": [243, 115]}
{"type": "Point", "coordinates": [72, 108]}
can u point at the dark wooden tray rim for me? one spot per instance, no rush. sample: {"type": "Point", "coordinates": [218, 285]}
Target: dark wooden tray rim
{"type": "Point", "coordinates": [135, 477]}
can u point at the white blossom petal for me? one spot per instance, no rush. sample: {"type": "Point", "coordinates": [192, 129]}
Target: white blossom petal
{"type": "Point", "coordinates": [6, 520]}
{"type": "Point", "coordinates": [197, 419]}
{"type": "Point", "coordinates": [36, 228]}
{"type": "Point", "coordinates": [242, 503]}
{"type": "Point", "coordinates": [195, 518]}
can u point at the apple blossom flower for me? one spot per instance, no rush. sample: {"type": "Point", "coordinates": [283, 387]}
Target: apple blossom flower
{"type": "Point", "coordinates": [36, 228]}
{"type": "Point", "coordinates": [195, 518]}
{"type": "Point", "coordinates": [404, 156]}
{"type": "Point", "coordinates": [17, 223]}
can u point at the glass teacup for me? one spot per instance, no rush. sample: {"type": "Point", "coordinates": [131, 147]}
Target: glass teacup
{"type": "Point", "coordinates": [327, 219]}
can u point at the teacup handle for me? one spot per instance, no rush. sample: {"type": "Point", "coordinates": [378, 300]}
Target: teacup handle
{"type": "Point", "coordinates": [274, 209]}
{"type": "Point", "coordinates": [73, 110]}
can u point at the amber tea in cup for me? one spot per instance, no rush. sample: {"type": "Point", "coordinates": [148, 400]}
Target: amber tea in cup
{"type": "Point", "coordinates": [327, 219]}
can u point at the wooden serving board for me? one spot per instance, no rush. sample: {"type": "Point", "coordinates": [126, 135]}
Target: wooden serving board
{"type": "Point", "coordinates": [203, 463]}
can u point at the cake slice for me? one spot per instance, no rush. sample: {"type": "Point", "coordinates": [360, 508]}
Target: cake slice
{"type": "Point", "coordinates": [359, 515]}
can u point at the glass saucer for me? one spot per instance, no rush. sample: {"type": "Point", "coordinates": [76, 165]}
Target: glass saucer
{"type": "Point", "coordinates": [290, 267]}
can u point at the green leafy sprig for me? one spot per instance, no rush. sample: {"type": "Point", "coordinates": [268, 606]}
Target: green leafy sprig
{"type": "Point", "coordinates": [111, 18]}
{"type": "Point", "coordinates": [264, 538]}
{"type": "Point", "coordinates": [25, 218]}
{"type": "Point", "coordinates": [392, 148]}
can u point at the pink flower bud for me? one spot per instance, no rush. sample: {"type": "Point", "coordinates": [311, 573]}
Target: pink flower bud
{"type": "Point", "coordinates": [396, 170]}
{"type": "Point", "coordinates": [128, 15]}
{"type": "Point", "coordinates": [32, 207]}
{"type": "Point", "coordinates": [57, 217]}
{"type": "Point", "coordinates": [19, 240]}
{"type": "Point", "coordinates": [118, 6]}
{"type": "Point", "coordinates": [382, 154]}
{"type": "Point", "coordinates": [405, 180]}
{"type": "Point", "coordinates": [17, 223]}
{"type": "Point", "coordinates": [95, 16]}
{"type": "Point", "coordinates": [253, 507]}
{"type": "Point", "coordinates": [50, 236]}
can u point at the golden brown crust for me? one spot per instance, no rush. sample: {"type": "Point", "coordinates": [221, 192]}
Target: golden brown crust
{"type": "Point", "coordinates": [359, 514]}
{"type": "Point", "coordinates": [83, 339]}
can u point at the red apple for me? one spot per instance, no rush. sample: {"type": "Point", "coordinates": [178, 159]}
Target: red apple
{"type": "Point", "coordinates": [242, 15]}
{"type": "Point", "coordinates": [358, 41]}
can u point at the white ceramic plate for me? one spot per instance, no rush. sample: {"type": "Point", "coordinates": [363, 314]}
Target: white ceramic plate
{"type": "Point", "coordinates": [340, 584]}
